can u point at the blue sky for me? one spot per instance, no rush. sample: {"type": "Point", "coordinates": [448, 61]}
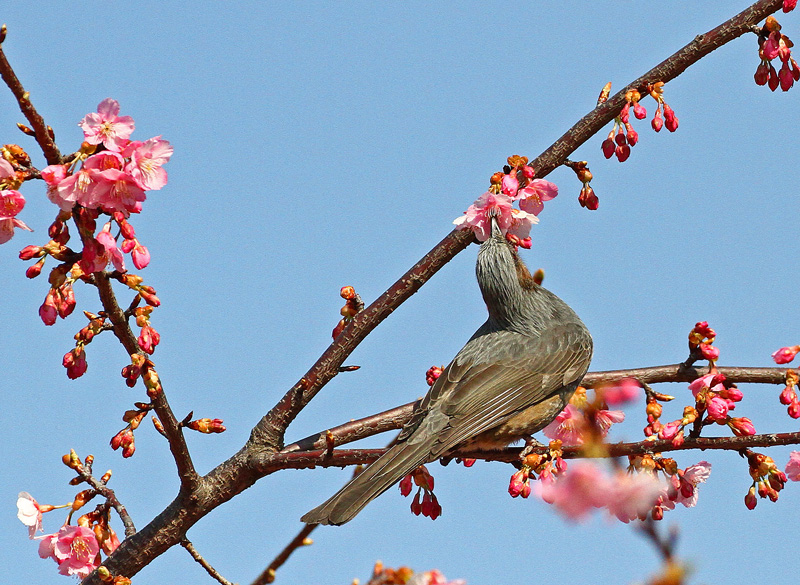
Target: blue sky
{"type": "Point", "coordinates": [320, 145]}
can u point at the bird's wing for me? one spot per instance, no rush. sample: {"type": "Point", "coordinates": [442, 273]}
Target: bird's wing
{"type": "Point", "coordinates": [479, 391]}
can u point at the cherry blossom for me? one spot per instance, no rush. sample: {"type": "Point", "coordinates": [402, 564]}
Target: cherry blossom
{"type": "Point", "coordinates": [793, 467]}
{"type": "Point", "coordinates": [74, 548]}
{"type": "Point", "coordinates": [477, 218]}
{"type": "Point", "coordinates": [11, 203]}
{"type": "Point", "coordinates": [568, 427]}
{"type": "Point", "coordinates": [29, 513]}
{"type": "Point", "coordinates": [147, 160]}
{"type": "Point", "coordinates": [107, 127]}
{"type": "Point", "coordinates": [632, 495]}
{"type": "Point", "coordinates": [534, 194]}
{"type": "Point", "coordinates": [623, 391]}
{"type": "Point", "coordinates": [575, 493]}
{"type": "Point", "coordinates": [686, 482]}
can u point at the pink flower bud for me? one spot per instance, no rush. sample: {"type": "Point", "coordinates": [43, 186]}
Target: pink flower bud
{"type": "Point", "coordinates": [709, 352]}
{"type": "Point", "coordinates": [35, 269]}
{"type": "Point", "coordinates": [785, 77]}
{"type": "Point", "coordinates": [622, 152]}
{"type": "Point", "coordinates": [742, 426]}
{"type": "Point", "coordinates": [67, 301]}
{"type": "Point", "coordinates": [608, 147]}
{"type": "Point", "coordinates": [795, 70]}
{"type": "Point", "coordinates": [75, 363]}
{"type": "Point", "coordinates": [416, 507]}
{"type": "Point", "coordinates": [657, 122]}
{"type": "Point", "coordinates": [433, 374]}
{"type": "Point", "coordinates": [761, 75]}
{"type": "Point", "coordinates": [750, 499]}
{"type": "Point", "coordinates": [794, 409]}
{"type": "Point", "coordinates": [405, 485]}
{"type": "Point", "coordinates": [789, 5]}
{"type": "Point", "coordinates": [670, 119]}
{"type": "Point", "coordinates": [140, 256]}
{"type": "Point", "coordinates": [732, 393]}
{"type": "Point", "coordinates": [633, 136]}
{"type": "Point", "coordinates": [48, 312]}
{"type": "Point", "coordinates": [785, 354]}
{"type": "Point", "coordinates": [624, 113]}
{"type": "Point", "coordinates": [774, 80]}
{"type": "Point", "coordinates": [788, 396]}
{"type": "Point", "coordinates": [517, 483]}
{"type": "Point", "coordinates": [510, 184]}
{"type": "Point", "coordinates": [639, 111]}
{"type": "Point", "coordinates": [31, 252]}
{"type": "Point", "coordinates": [528, 171]}
{"type": "Point", "coordinates": [670, 430]}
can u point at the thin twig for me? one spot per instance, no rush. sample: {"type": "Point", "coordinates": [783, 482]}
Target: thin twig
{"type": "Point", "coordinates": [185, 543]}
{"type": "Point", "coordinates": [268, 576]}
{"type": "Point", "coordinates": [111, 497]}
{"type": "Point", "coordinates": [172, 429]}
{"type": "Point", "coordinates": [42, 134]}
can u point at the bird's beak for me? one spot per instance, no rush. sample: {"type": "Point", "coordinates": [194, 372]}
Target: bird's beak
{"type": "Point", "coordinates": [496, 231]}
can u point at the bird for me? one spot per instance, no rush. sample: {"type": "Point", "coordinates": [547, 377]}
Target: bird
{"type": "Point", "coordinates": [511, 379]}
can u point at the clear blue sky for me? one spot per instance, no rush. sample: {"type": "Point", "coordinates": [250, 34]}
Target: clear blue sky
{"type": "Point", "coordinates": [318, 146]}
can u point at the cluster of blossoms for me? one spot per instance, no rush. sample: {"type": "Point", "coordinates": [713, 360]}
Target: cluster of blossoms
{"type": "Point", "coordinates": [108, 176]}
{"type": "Point", "coordinates": [768, 480]}
{"type": "Point", "coordinates": [353, 304]}
{"type": "Point", "coordinates": [622, 135]}
{"type": "Point", "coordinates": [427, 505]}
{"type": "Point", "coordinates": [582, 421]}
{"type": "Point", "coordinates": [515, 183]}
{"type": "Point", "coordinates": [714, 397]}
{"type": "Point", "coordinates": [75, 548]}
{"type": "Point", "coordinates": [772, 44]}
{"type": "Point", "coordinates": [406, 576]}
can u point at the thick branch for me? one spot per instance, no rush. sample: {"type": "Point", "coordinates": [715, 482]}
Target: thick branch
{"type": "Point", "coordinates": [344, 457]}
{"type": "Point", "coordinates": [395, 418]}
{"type": "Point", "coordinates": [51, 153]}
{"type": "Point", "coordinates": [172, 430]}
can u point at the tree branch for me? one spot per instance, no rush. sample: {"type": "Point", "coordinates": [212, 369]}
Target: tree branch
{"type": "Point", "coordinates": [42, 134]}
{"type": "Point", "coordinates": [172, 429]}
{"type": "Point", "coordinates": [185, 543]}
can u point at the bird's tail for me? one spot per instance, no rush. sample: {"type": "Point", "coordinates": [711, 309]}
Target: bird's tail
{"type": "Point", "coordinates": [398, 461]}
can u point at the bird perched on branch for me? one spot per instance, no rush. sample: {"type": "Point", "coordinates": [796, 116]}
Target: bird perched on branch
{"type": "Point", "coordinates": [511, 379]}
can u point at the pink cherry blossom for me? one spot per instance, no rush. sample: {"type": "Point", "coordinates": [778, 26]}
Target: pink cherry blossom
{"type": "Point", "coordinates": [702, 382]}
{"type": "Point", "coordinates": [568, 427]}
{"type": "Point", "coordinates": [687, 482]}
{"type": "Point", "coordinates": [107, 127]}
{"type": "Point", "coordinates": [6, 170]}
{"type": "Point", "coordinates": [11, 203]}
{"type": "Point", "coordinates": [146, 163]}
{"type": "Point", "coordinates": [534, 194]}
{"type": "Point", "coordinates": [434, 577]}
{"type": "Point", "coordinates": [785, 354]}
{"type": "Point", "coordinates": [29, 513]}
{"type": "Point", "coordinates": [477, 219]}
{"type": "Point", "coordinates": [74, 549]}
{"type": "Point", "coordinates": [120, 193]}
{"type": "Point", "coordinates": [632, 495]}
{"type": "Point", "coordinates": [83, 188]}
{"type": "Point", "coordinates": [605, 418]}
{"type": "Point", "coordinates": [112, 252]}
{"type": "Point", "coordinates": [793, 467]}
{"type": "Point", "coordinates": [574, 493]}
{"type": "Point", "coordinates": [623, 391]}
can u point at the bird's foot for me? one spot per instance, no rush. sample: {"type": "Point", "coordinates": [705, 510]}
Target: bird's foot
{"type": "Point", "coordinates": [531, 445]}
